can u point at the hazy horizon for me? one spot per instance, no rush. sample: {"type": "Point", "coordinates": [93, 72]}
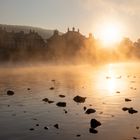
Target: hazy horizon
{"type": "Point", "coordinates": [87, 15]}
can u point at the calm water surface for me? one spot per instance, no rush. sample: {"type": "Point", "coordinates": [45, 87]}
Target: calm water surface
{"type": "Point", "coordinates": [105, 87]}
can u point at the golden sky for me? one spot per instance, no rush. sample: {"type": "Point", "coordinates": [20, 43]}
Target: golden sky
{"type": "Point", "coordinates": [88, 15]}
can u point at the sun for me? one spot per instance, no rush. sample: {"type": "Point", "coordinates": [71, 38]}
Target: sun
{"type": "Point", "coordinates": [110, 34]}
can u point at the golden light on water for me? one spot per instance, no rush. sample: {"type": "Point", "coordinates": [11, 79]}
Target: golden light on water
{"type": "Point", "coordinates": [110, 80]}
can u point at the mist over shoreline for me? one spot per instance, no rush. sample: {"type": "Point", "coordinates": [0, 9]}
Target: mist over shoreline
{"type": "Point", "coordinates": [71, 47]}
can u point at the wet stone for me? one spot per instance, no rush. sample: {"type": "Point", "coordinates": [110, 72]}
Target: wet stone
{"type": "Point", "coordinates": [10, 92]}
{"type": "Point", "coordinates": [31, 129]}
{"type": "Point", "coordinates": [101, 112]}
{"type": "Point", "coordinates": [45, 99]}
{"type": "Point", "coordinates": [65, 111]}
{"type": "Point", "coordinates": [90, 110]}
{"type": "Point", "coordinates": [94, 123]}
{"type": "Point", "coordinates": [56, 126]}
{"type": "Point", "coordinates": [61, 104]}
{"type": "Point", "coordinates": [125, 108]}
{"type": "Point", "coordinates": [62, 96]}
{"type": "Point", "coordinates": [137, 127]}
{"type": "Point", "coordinates": [92, 130]}
{"type": "Point", "coordinates": [34, 119]}
{"type": "Point", "coordinates": [84, 108]}
{"type": "Point", "coordinates": [46, 128]}
{"type": "Point", "coordinates": [135, 138]}
{"type": "Point", "coordinates": [50, 102]}
{"type": "Point", "coordinates": [79, 99]}
{"type": "Point", "coordinates": [127, 100]}
{"type": "Point", "coordinates": [132, 111]}
{"type": "Point", "coordinates": [51, 88]}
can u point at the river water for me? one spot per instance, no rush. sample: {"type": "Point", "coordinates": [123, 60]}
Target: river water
{"type": "Point", "coordinates": [105, 88]}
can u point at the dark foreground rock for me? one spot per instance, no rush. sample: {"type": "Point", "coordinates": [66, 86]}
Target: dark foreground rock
{"type": "Point", "coordinates": [10, 92]}
{"type": "Point", "coordinates": [90, 110]}
{"type": "Point", "coordinates": [62, 96]}
{"type": "Point", "coordinates": [46, 128]}
{"type": "Point", "coordinates": [61, 104]}
{"type": "Point", "coordinates": [94, 123]}
{"type": "Point", "coordinates": [65, 111]}
{"type": "Point", "coordinates": [51, 88]}
{"type": "Point", "coordinates": [127, 100]}
{"type": "Point", "coordinates": [50, 102]}
{"type": "Point", "coordinates": [125, 108]}
{"type": "Point", "coordinates": [47, 100]}
{"type": "Point", "coordinates": [31, 129]}
{"type": "Point", "coordinates": [79, 99]}
{"type": "Point", "coordinates": [56, 126]}
{"type": "Point", "coordinates": [130, 110]}
{"type": "Point", "coordinates": [84, 108]}
{"type": "Point", "coordinates": [92, 130]}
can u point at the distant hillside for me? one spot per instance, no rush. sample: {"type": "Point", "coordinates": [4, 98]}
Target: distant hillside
{"type": "Point", "coordinates": [44, 33]}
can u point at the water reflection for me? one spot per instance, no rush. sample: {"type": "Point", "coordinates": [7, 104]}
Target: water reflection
{"type": "Point", "coordinates": [105, 87]}
{"type": "Point", "coordinates": [112, 80]}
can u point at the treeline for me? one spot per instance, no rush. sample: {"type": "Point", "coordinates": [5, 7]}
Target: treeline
{"type": "Point", "coordinates": [69, 47]}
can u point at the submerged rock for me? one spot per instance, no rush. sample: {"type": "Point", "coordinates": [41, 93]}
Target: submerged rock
{"type": "Point", "coordinates": [62, 96]}
{"type": "Point", "coordinates": [125, 108]}
{"type": "Point", "coordinates": [37, 124]}
{"type": "Point", "coordinates": [84, 108]}
{"type": "Point", "coordinates": [65, 111]}
{"type": "Point", "coordinates": [45, 99]}
{"type": "Point", "coordinates": [90, 110]}
{"type": "Point", "coordinates": [130, 110]}
{"type": "Point", "coordinates": [127, 100]}
{"type": "Point", "coordinates": [50, 102]}
{"type": "Point", "coordinates": [137, 127]}
{"type": "Point", "coordinates": [135, 138]}
{"type": "Point", "coordinates": [61, 104]}
{"type": "Point", "coordinates": [92, 130]}
{"type": "Point", "coordinates": [31, 129]}
{"type": "Point", "coordinates": [10, 92]}
{"type": "Point", "coordinates": [46, 128]}
{"type": "Point", "coordinates": [51, 88]}
{"type": "Point", "coordinates": [56, 126]}
{"type": "Point", "coordinates": [79, 99]}
{"type": "Point", "coordinates": [107, 77]}
{"type": "Point", "coordinates": [94, 123]}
